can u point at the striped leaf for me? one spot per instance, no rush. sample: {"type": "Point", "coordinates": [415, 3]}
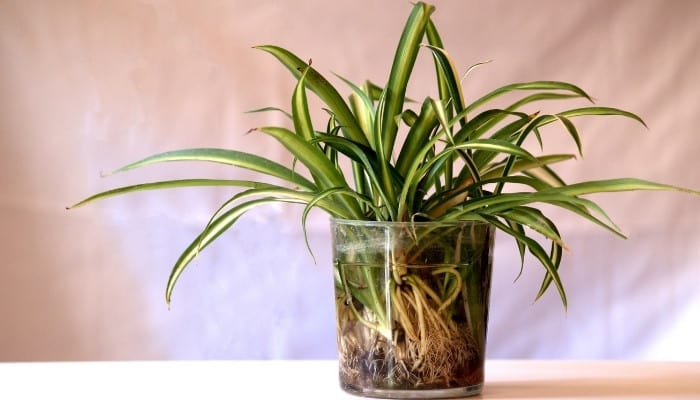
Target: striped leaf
{"type": "Point", "coordinates": [319, 85]}
{"type": "Point", "coordinates": [228, 157]}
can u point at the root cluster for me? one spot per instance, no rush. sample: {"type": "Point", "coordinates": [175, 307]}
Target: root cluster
{"type": "Point", "coordinates": [427, 348]}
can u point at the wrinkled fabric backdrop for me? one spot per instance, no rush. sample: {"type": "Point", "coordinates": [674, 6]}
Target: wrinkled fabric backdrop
{"type": "Point", "coordinates": [88, 86]}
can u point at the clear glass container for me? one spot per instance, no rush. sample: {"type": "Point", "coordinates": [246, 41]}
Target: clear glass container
{"type": "Point", "coordinates": [412, 306]}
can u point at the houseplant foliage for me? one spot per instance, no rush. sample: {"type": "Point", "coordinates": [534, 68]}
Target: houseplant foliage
{"type": "Point", "coordinates": [387, 158]}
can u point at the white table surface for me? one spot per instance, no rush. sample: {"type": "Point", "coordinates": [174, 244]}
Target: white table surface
{"type": "Point", "coordinates": [549, 380]}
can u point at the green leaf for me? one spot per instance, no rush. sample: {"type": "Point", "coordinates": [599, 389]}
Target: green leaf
{"type": "Point", "coordinates": [496, 170]}
{"type": "Point", "coordinates": [520, 138]}
{"type": "Point", "coordinates": [395, 90]}
{"type": "Point", "coordinates": [509, 132]}
{"type": "Point", "coordinates": [474, 129]}
{"type": "Point", "coordinates": [172, 184]}
{"type": "Point", "coordinates": [325, 91]}
{"type": "Point", "coordinates": [494, 145]}
{"type": "Point", "coordinates": [267, 109]}
{"type": "Point", "coordinates": [362, 107]}
{"type": "Point", "coordinates": [417, 137]}
{"type": "Point", "coordinates": [321, 197]}
{"type": "Point", "coordinates": [505, 201]}
{"type": "Point", "coordinates": [535, 220]}
{"type": "Point", "coordinates": [390, 104]}
{"type": "Point", "coordinates": [545, 174]}
{"type": "Point", "coordinates": [369, 161]}
{"type": "Point", "coordinates": [582, 207]}
{"type": "Point", "coordinates": [224, 218]}
{"type": "Point", "coordinates": [285, 195]}
{"type": "Point", "coordinates": [300, 109]}
{"type": "Point", "coordinates": [439, 202]}
{"type": "Point", "coordinates": [516, 227]}
{"type": "Point", "coordinates": [213, 230]}
{"type": "Point", "coordinates": [365, 116]}
{"type": "Point", "coordinates": [536, 85]}
{"type": "Point", "coordinates": [414, 176]}
{"type": "Point", "coordinates": [373, 90]}
{"type": "Point", "coordinates": [434, 40]}
{"type": "Point", "coordinates": [315, 160]}
{"type": "Point", "coordinates": [448, 74]}
{"type": "Point", "coordinates": [536, 250]}
{"type": "Point", "coordinates": [601, 111]}
{"type": "Point", "coordinates": [227, 157]}
{"type": "Point", "coordinates": [309, 155]}
{"type": "Point", "coordinates": [535, 97]}
{"type": "Point", "coordinates": [616, 185]}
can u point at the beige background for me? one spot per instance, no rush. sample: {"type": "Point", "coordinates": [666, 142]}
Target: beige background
{"type": "Point", "coordinates": [86, 86]}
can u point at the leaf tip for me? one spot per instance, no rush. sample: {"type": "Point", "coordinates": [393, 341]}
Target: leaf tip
{"type": "Point", "coordinates": [76, 205]}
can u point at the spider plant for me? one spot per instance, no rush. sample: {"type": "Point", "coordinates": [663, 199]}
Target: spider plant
{"type": "Point", "coordinates": [383, 157]}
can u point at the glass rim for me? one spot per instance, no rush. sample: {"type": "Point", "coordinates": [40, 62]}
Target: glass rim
{"type": "Point", "coordinates": [376, 223]}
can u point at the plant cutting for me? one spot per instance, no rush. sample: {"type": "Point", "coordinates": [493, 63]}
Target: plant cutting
{"type": "Point", "coordinates": [415, 189]}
